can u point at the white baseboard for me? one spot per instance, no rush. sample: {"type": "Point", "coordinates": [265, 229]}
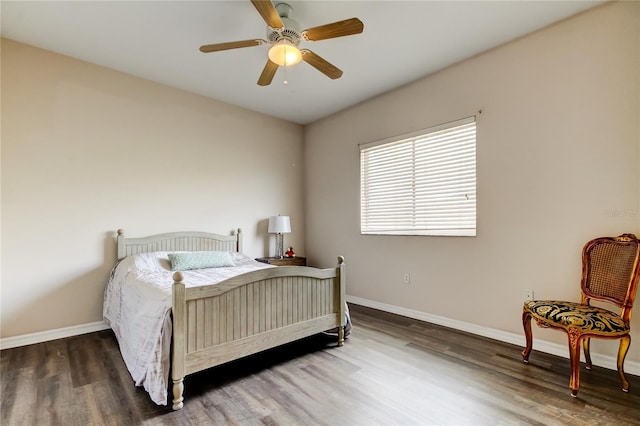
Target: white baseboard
{"type": "Point", "coordinates": [45, 336]}
{"type": "Point", "coordinates": [600, 360]}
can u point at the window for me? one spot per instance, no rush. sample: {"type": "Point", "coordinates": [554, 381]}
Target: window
{"type": "Point", "coordinates": [420, 184]}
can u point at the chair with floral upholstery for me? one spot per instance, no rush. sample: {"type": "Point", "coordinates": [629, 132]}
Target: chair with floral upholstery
{"type": "Point", "coordinates": [610, 272]}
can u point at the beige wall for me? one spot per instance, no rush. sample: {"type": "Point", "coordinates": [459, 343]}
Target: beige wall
{"type": "Point", "coordinates": [87, 150]}
{"type": "Point", "coordinates": [558, 163]}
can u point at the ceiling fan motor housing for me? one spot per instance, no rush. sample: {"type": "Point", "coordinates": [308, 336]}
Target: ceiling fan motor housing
{"type": "Point", "coordinates": [291, 31]}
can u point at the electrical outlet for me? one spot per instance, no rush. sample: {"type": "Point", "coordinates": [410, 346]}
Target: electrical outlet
{"type": "Point", "coordinates": [528, 295]}
{"type": "Point", "coordinates": [406, 278]}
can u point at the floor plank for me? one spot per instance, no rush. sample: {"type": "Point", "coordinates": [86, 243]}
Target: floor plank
{"type": "Point", "coordinates": [392, 370]}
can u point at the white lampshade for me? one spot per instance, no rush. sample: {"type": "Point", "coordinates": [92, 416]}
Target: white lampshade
{"type": "Point", "coordinates": [279, 225]}
{"type": "Point", "coordinates": [285, 53]}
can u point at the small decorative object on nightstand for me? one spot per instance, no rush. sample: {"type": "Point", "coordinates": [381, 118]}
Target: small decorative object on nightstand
{"type": "Point", "coordinates": [290, 252]}
{"type": "Point", "coordinates": [285, 261]}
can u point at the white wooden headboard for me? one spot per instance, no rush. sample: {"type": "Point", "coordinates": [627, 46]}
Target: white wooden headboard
{"type": "Point", "coordinates": [178, 241]}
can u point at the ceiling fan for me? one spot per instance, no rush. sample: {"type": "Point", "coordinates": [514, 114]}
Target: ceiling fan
{"type": "Point", "coordinates": [284, 34]}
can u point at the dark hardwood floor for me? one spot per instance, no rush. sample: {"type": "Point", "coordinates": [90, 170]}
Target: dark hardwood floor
{"type": "Point", "coordinates": [391, 371]}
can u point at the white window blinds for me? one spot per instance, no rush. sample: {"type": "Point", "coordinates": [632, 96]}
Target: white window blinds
{"type": "Point", "coordinates": [421, 184]}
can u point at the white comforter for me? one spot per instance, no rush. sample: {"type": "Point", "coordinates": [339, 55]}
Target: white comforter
{"type": "Point", "coordinates": [137, 306]}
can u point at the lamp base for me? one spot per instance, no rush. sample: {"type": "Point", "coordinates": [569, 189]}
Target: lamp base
{"type": "Point", "coordinates": [279, 246]}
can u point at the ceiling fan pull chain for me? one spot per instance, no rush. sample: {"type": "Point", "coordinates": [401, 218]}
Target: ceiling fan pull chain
{"type": "Point", "coordinates": [285, 65]}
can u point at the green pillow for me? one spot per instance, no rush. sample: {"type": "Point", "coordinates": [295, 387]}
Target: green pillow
{"type": "Point", "coordinates": [200, 260]}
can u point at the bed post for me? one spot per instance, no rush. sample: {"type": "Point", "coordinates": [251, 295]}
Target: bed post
{"type": "Point", "coordinates": [121, 248]}
{"type": "Point", "coordinates": [239, 241]}
{"type": "Point", "coordinates": [179, 350]}
{"type": "Point", "coordinates": [342, 280]}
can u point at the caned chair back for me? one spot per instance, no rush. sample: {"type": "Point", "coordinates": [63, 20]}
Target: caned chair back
{"type": "Point", "coordinates": [610, 271]}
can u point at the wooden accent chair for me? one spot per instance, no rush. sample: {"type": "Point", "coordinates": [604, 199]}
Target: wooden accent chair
{"type": "Point", "coordinates": [610, 272]}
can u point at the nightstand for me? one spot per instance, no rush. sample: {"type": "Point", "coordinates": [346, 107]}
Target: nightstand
{"type": "Point", "coordinates": [285, 261]}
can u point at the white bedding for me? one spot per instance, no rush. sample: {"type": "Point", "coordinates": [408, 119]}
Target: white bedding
{"type": "Point", "coordinates": [137, 306]}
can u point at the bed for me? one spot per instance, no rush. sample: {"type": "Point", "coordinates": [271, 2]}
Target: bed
{"type": "Point", "coordinates": [188, 321]}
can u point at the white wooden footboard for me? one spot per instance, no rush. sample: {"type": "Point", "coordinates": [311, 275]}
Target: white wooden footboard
{"type": "Point", "coordinates": [250, 313]}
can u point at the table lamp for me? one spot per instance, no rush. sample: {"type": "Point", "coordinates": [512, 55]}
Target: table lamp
{"type": "Point", "coordinates": [279, 225]}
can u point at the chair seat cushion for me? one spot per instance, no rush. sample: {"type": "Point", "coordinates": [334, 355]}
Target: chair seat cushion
{"type": "Point", "coordinates": [588, 319]}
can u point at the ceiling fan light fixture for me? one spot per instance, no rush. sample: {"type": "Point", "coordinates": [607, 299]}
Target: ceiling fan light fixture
{"type": "Point", "coordinates": [285, 54]}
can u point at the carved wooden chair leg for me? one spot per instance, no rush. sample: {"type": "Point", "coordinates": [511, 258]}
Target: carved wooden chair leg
{"type": "Point", "coordinates": [574, 355]}
{"type": "Point", "coordinates": [622, 353]}
{"type": "Point", "coordinates": [526, 323]}
{"type": "Point", "coordinates": [587, 353]}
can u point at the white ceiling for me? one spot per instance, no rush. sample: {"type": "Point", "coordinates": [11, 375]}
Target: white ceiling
{"type": "Point", "coordinates": [159, 40]}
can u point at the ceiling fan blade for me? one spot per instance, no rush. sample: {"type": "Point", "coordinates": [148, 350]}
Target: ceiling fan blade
{"type": "Point", "coordinates": [267, 73]}
{"type": "Point", "coordinates": [230, 45]}
{"type": "Point", "coordinates": [336, 29]}
{"type": "Point", "coordinates": [320, 64]}
{"type": "Point", "coordinates": [267, 10]}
